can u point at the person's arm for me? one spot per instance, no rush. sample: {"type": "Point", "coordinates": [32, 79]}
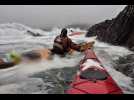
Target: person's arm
{"type": "Point", "coordinates": [74, 46]}
{"type": "Point", "coordinates": [81, 47]}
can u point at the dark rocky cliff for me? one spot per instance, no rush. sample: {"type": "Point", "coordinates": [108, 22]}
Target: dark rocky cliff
{"type": "Point", "coordinates": [126, 65]}
{"type": "Point", "coordinates": [118, 31]}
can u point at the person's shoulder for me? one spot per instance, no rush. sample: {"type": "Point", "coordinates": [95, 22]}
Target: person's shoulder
{"type": "Point", "coordinates": [69, 39]}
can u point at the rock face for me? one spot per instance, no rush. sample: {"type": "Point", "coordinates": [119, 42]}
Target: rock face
{"type": "Point", "coordinates": [118, 31]}
{"type": "Point", "coordinates": [126, 65]}
{"type": "Point", "coordinates": [33, 34]}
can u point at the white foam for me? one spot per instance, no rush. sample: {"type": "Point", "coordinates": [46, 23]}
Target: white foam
{"type": "Point", "coordinates": [124, 82]}
{"type": "Point", "coordinates": [17, 80]}
{"type": "Point", "coordinates": [26, 86]}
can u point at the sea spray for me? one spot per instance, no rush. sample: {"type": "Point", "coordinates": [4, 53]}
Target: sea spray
{"type": "Point", "coordinates": [49, 76]}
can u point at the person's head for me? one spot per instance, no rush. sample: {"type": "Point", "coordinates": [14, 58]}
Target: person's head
{"type": "Point", "coordinates": [64, 32]}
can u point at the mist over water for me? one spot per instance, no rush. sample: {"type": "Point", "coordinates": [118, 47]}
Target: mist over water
{"type": "Point", "coordinates": [46, 16]}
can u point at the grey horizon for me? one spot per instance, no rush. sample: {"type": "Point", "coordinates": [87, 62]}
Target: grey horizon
{"type": "Point", "coordinates": [41, 16]}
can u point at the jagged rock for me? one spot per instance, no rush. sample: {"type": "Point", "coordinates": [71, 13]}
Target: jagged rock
{"type": "Point", "coordinates": [132, 48]}
{"type": "Point", "coordinates": [126, 65]}
{"type": "Point", "coordinates": [96, 29]}
{"type": "Point", "coordinates": [33, 34]}
{"type": "Point", "coordinates": [118, 31]}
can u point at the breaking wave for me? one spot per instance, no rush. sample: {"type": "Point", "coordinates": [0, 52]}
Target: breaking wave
{"type": "Point", "coordinates": [48, 76]}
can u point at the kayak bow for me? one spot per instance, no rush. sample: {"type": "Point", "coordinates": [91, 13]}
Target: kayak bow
{"type": "Point", "coordinates": [92, 78]}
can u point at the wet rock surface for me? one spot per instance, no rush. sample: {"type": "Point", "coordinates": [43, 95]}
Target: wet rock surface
{"type": "Point", "coordinates": [126, 65]}
{"type": "Point", "coordinates": [118, 31]}
{"type": "Point", "coordinates": [33, 34]}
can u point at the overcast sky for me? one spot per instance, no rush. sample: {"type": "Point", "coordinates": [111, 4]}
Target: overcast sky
{"type": "Point", "coordinates": [41, 16]}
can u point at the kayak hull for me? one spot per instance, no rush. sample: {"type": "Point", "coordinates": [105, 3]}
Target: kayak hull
{"type": "Point", "coordinates": [89, 87]}
{"type": "Point", "coordinates": [101, 84]}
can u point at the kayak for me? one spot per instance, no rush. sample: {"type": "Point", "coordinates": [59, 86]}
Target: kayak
{"type": "Point", "coordinates": [9, 60]}
{"type": "Point", "coordinates": [84, 46]}
{"type": "Point", "coordinates": [34, 55]}
{"type": "Point", "coordinates": [76, 33]}
{"type": "Point", "coordinates": [92, 78]}
{"type": "Point", "coordinates": [4, 64]}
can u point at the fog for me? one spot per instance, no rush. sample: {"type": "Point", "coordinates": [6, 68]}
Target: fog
{"type": "Point", "coordinates": [41, 16]}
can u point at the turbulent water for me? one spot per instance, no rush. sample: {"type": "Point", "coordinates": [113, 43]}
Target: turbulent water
{"type": "Point", "coordinates": [50, 76]}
